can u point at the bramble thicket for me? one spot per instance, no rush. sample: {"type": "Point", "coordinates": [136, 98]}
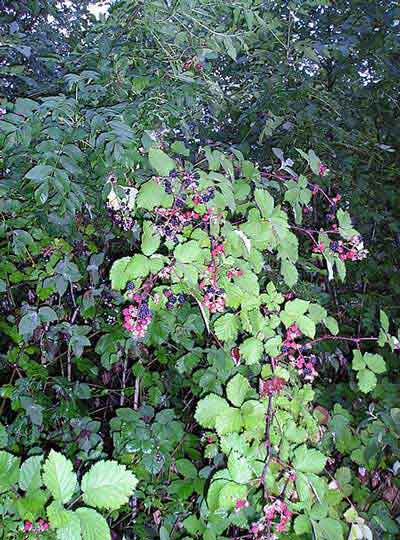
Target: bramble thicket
{"type": "Point", "coordinates": [199, 266]}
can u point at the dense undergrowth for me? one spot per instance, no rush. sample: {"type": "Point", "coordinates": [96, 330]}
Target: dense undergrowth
{"type": "Point", "coordinates": [199, 270]}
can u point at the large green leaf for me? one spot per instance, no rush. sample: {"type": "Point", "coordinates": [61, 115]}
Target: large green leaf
{"type": "Point", "coordinates": [226, 327]}
{"type": "Point", "coordinates": [162, 163]}
{"type": "Point", "coordinates": [237, 389]}
{"type": "Point", "coordinates": [29, 475]}
{"type": "Point", "coordinates": [209, 408]}
{"type": "Point", "coordinates": [108, 485]}
{"type": "Point", "coordinates": [93, 525]}
{"type": "Point", "coordinates": [9, 470]}
{"type": "Point", "coordinates": [58, 477]}
{"type": "Point", "coordinates": [309, 460]}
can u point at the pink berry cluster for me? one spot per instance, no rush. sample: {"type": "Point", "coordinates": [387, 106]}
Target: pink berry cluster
{"type": "Point", "coordinates": [137, 317]}
{"type": "Point", "coordinates": [352, 251]}
{"type": "Point", "coordinates": [240, 504]}
{"type": "Point", "coordinates": [271, 386]}
{"type": "Point", "coordinates": [304, 363]}
{"type": "Point", "coordinates": [174, 220]}
{"type": "Point", "coordinates": [40, 526]}
{"type": "Point", "coordinates": [277, 510]}
{"type": "Point", "coordinates": [121, 216]}
{"type": "Point", "coordinates": [213, 298]}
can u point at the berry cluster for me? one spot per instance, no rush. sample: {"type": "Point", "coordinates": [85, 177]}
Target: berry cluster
{"type": "Point", "coordinates": [203, 197]}
{"type": "Point", "coordinates": [40, 526]}
{"type": "Point", "coordinates": [120, 215]}
{"type": "Point", "coordinates": [213, 298]}
{"type": "Point", "coordinates": [304, 363]}
{"type": "Point", "coordinates": [353, 251]}
{"type": "Point", "coordinates": [278, 509]}
{"type": "Point", "coordinates": [172, 299]}
{"type": "Point", "coordinates": [271, 386]}
{"type": "Point", "coordinates": [137, 317]}
{"type": "Point", "coordinates": [174, 220]}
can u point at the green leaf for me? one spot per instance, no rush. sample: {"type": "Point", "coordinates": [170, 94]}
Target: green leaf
{"type": "Point", "coordinates": [366, 380]}
{"type": "Point", "coordinates": [265, 202]}
{"type": "Point", "coordinates": [226, 327]}
{"type": "Point", "coordinates": [127, 269]}
{"type": "Point", "coordinates": [150, 239]}
{"type": "Point", "coordinates": [118, 273]}
{"type": "Point", "coordinates": [93, 525]}
{"type": "Point", "coordinates": [332, 325]}
{"type": "Point", "coordinates": [230, 48]}
{"type": "Point", "coordinates": [375, 362]}
{"type": "Point", "coordinates": [289, 272]}
{"type": "Point", "coordinates": [58, 516]}
{"type": "Point", "coordinates": [108, 485]}
{"type": "Point", "coordinates": [307, 326]}
{"type": "Point", "coordinates": [39, 172]}
{"type": "Point", "coordinates": [237, 389]}
{"type": "Point", "coordinates": [72, 529]}
{"type": "Point", "coordinates": [160, 162]}
{"type": "Point", "coordinates": [230, 493]}
{"type": "Point", "coordinates": [188, 252]}
{"type": "Point", "coordinates": [28, 324]}
{"type": "Point", "coordinates": [384, 320]}
{"type": "Point", "coordinates": [9, 470]}
{"type": "Point", "coordinates": [230, 421]}
{"type": "Point", "coordinates": [302, 525]}
{"type": "Point", "coordinates": [152, 195]}
{"type": "Point", "coordinates": [309, 460]}
{"type": "Point", "coordinates": [209, 408]}
{"type": "Point", "coordinates": [193, 525]}
{"type": "Point", "coordinates": [239, 468]}
{"type": "Point", "coordinates": [179, 148]}
{"type": "Point", "coordinates": [31, 506]}
{"type": "Point", "coordinates": [29, 475]}
{"type": "Point", "coordinates": [186, 468]}
{"type": "Point", "coordinates": [251, 350]}
{"type": "Point", "coordinates": [358, 360]}
{"type": "Point", "coordinates": [329, 529]}
{"type": "Point", "coordinates": [58, 477]}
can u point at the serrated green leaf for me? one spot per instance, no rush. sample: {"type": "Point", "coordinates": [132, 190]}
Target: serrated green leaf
{"type": "Point", "coordinates": [9, 470]}
{"type": "Point", "coordinates": [93, 525]}
{"type": "Point", "coordinates": [239, 468]}
{"type": "Point", "coordinates": [152, 195]}
{"type": "Point", "coordinates": [237, 389]}
{"type": "Point", "coordinates": [307, 326]}
{"type": "Point", "coordinates": [366, 380]}
{"type": "Point", "coordinates": [108, 485]}
{"type": "Point", "coordinates": [332, 325]}
{"type": "Point", "coordinates": [188, 252]}
{"type": "Point", "coordinates": [58, 516]}
{"type": "Point", "coordinates": [251, 350]}
{"type": "Point", "coordinates": [150, 239]}
{"type": "Point", "coordinates": [265, 202]}
{"type": "Point", "coordinates": [209, 408]}
{"type": "Point", "coordinates": [229, 421]}
{"type": "Point", "coordinates": [160, 162]}
{"type": "Point", "coordinates": [309, 460]}
{"type": "Point", "coordinates": [289, 272]}
{"type": "Point", "coordinates": [29, 474]}
{"type": "Point", "coordinates": [375, 362]}
{"type": "Point", "coordinates": [230, 493]}
{"type": "Point", "coordinates": [58, 477]}
{"type": "Point", "coordinates": [226, 327]}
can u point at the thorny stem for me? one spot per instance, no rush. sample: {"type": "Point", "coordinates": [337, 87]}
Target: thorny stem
{"type": "Point", "coordinates": [268, 420]}
{"type": "Point", "coordinates": [357, 341]}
